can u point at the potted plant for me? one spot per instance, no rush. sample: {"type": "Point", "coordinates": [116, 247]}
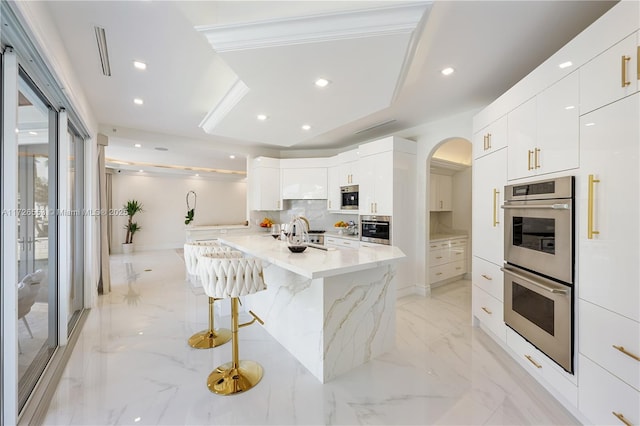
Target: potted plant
{"type": "Point", "coordinates": [131, 207]}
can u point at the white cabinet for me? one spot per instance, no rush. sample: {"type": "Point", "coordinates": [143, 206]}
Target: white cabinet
{"type": "Point", "coordinates": [376, 187]}
{"type": "Point", "coordinates": [609, 207]}
{"type": "Point", "coordinates": [304, 183]}
{"type": "Point", "coordinates": [348, 168]}
{"type": "Point", "coordinates": [612, 341]}
{"type": "Point", "coordinates": [489, 179]}
{"type": "Point", "coordinates": [265, 184]}
{"type": "Point", "coordinates": [333, 241]}
{"type": "Point", "coordinates": [334, 199]}
{"type": "Point", "coordinates": [610, 76]}
{"type": "Point", "coordinates": [488, 277]}
{"type": "Point", "coordinates": [603, 398]}
{"type": "Point", "coordinates": [489, 312]}
{"type": "Point", "coordinates": [542, 367]}
{"type": "Point", "coordinates": [447, 259]}
{"type": "Point", "coordinates": [491, 138]}
{"type": "Point", "coordinates": [543, 132]}
{"type": "Point", "coordinates": [440, 193]}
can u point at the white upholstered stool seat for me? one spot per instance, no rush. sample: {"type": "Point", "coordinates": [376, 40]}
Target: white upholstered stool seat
{"type": "Point", "coordinates": [211, 337]}
{"type": "Point", "coordinates": [225, 276]}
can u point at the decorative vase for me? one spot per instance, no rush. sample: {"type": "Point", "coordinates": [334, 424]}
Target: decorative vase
{"type": "Point", "coordinates": [298, 237]}
{"type": "Point", "coordinates": [127, 248]}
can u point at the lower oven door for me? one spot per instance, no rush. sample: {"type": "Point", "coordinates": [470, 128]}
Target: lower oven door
{"type": "Point", "coordinates": [541, 311]}
{"type": "Point", "coordinates": [539, 236]}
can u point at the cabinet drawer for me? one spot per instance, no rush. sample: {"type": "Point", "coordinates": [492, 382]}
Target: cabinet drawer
{"type": "Point", "coordinates": [488, 277]}
{"type": "Point", "coordinates": [457, 268]}
{"type": "Point", "coordinates": [438, 273]}
{"type": "Point", "coordinates": [600, 331]}
{"type": "Point", "coordinates": [438, 257]}
{"type": "Point", "coordinates": [489, 311]}
{"type": "Point", "coordinates": [542, 367]}
{"type": "Point", "coordinates": [341, 242]}
{"type": "Point", "coordinates": [601, 395]}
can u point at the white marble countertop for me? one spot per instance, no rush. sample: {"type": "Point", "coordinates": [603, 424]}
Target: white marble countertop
{"type": "Point", "coordinates": [313, 263]}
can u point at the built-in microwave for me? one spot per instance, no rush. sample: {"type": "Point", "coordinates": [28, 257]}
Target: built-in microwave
{"type": "Point", "coordinates": [375, 229]}
{"type": "Point", "coordinates": [349, 197]}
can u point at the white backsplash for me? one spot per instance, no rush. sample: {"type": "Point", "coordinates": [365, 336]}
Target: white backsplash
{"type": "Point", "coordinates": [314, 210]}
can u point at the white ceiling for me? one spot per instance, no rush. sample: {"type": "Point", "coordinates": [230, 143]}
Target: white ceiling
{"type": "Point", "coordinates": [375, 78]}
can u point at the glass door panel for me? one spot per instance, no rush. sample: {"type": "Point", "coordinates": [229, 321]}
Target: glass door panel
{"type": "Point", "coordinates": [37, 306]}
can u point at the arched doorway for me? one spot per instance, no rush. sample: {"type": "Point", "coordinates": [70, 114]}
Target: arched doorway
{"type": "Point", "coordinates": [448, 198]}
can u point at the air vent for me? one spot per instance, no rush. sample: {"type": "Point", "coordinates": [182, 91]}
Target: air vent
{"type": "Point", "coordinates": [101, 39]}
{"type": "Point", "coordinates": [161, 148]}
{"type": "Point", "coordinates": [375, 126]}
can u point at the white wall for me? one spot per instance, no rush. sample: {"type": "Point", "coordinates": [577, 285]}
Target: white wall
{"type": "Point", "coordinates": [219, 202]}
{"type": "Point", "coordinates": [428, 137]}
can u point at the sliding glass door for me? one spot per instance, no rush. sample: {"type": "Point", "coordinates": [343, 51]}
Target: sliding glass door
{"type": "Point", "coordinates": [37, 336]}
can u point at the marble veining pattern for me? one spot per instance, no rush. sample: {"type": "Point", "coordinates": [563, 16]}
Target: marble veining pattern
{"type": "Point", "coordinates": [132, 366]}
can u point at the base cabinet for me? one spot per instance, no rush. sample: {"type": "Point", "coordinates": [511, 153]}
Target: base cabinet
{"type": "Point", "coordinates": [603, 398]}
{"type": "Point", "coordinates": [489, 312]}
{"type": "Point", "coordinates": [447, 259]}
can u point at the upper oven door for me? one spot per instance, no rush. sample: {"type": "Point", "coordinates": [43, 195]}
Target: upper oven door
{"type": "Point", "coordinates": [539, 236]}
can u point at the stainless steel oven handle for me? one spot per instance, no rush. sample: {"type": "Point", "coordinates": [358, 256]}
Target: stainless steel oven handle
{"type": "Point", "coordinates": [539, 206]}
{"type": "Point", "coordinates": [537, 284]}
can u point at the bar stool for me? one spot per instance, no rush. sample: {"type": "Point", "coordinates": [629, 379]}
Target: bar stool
{"type": "Point", "coordinates": [226, 277]}
{"type": "Point", "coordinates": [209, 338]}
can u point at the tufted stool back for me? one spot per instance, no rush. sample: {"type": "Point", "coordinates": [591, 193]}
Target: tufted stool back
{"type": "Point", "coordinates": [194, 249]}
{"type": "Point", "coordinates": [225, 275]}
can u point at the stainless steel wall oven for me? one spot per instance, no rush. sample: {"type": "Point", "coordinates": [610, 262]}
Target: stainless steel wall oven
{"type": "Point", "coordinates": [375, 229]}
{"type": "Point", "coordinates": [539, 265]}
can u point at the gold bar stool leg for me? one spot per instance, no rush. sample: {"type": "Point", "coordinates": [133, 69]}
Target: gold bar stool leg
{"type": "Point", "coordinates": [211, 337]}
{"type": "Point", "coordinates": [235, 376]}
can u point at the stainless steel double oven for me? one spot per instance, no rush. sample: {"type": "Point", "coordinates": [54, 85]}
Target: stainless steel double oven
{"type": "Point", "coordinates": [539, 265]}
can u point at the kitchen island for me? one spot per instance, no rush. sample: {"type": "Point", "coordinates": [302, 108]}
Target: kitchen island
{"type": "Point", "coordinates": [333, 310]}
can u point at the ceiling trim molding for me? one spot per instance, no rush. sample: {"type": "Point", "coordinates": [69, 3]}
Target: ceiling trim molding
{"type": "Point", "coordinates": [395, 19]}
{"type": "Point", "coordinates": [235, 93]}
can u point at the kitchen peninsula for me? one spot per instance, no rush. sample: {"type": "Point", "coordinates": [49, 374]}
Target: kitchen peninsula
{"type": "Point", "coordinates": [332, 309]}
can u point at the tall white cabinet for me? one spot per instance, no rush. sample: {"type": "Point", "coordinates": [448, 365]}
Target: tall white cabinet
{"type": "Point", "coordinates": [582, 121]}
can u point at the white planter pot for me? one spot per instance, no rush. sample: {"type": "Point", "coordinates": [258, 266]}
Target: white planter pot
{"type": "Point", "coordinates": [127, 248]}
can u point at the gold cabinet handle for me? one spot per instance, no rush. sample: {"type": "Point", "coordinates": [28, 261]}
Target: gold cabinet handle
{"type": "Point", "coordinates": [626, 352]}
{"type": "Point", "coordinates": [488, 140]}
{"type": "Point", "coordinates": [438, 257]}
{"type": "Point", "coordinates": [537, 158]}
{"type": "Point", "coordinates": [590, 231]}
{"type": "Point", "coordinates": [623, 66]}
{"type": "Point", "coordinates": [529, 153]}
{"type": "Point", "coordinates": [458, 268]}
{"type": "Point", "coordinates": [486, 277]}
{"type": "Point", "coordinates": [495, 207]}
{"type": "Point", "coordinates": [487, 310]}
{"type": "Point", "coordinates": [638, 62]}
{"type": "Point", "coordinates": [532, 361]}
{"type": "Point", "coordinates": [621, 417]}
{"type": "Point", "coordinates": [438, 273]}
{"type": "Point", "coordinates": [484, 140]}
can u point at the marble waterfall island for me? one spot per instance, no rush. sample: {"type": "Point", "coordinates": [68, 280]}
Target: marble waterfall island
{"type": "Point", "coordinates": [333, 310]}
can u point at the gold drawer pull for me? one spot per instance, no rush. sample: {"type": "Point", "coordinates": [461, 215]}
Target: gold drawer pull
{"type": "Point", "coordinates": [487, 310]}
{"type": "Point", "coordinates": [623, 66]}
{"type": "Point", "coordinates": [438, 273]}
{"type": "Point", "coordinates": [532, 361]}
{"type": "Point", "coordinates": [486, 277]}
{"type": "Point", "coordinates": [626, 352]}
{"type": "Point", "coordinates": [434, 246]}
{"type": "Point", "coordinates": [438, 257]}
{"type": "Point", "coordinates": [458, 268]}
{"type": "Point", "coordinates": [622, 418]}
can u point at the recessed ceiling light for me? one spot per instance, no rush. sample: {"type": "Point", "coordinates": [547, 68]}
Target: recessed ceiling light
{"type": "Point", "coordinates": [232, 156]}
{"type": "Point", "coordinates": [262, 117]}
{"type": "Point", "coordinates": [138, 101]}
{"type": "Point", "coordinates": [565, 64]}
{"type": "Point", "coordinates": [140, 65]}
{"type": "Point", "coordinates": [306, 127]}
{"type": "Point", "coordinates": [447, 71]}
{"type": "Point", "coordinates": [322, 82]}
{"type": "Point", "coordinates": [590, 124]}
{"type": "Point", "coordinates": [33, 133]}
{"type": "Point", "coordinates": [197, 175]}
{"type": "Point", "coordinates": [141, 170]}
{"type": "Point", "coordinates": [569, 107]}
{"type": "Point", "coordinates": [138, 145]}
{"type": "Point", "coordinates": [161, 148]}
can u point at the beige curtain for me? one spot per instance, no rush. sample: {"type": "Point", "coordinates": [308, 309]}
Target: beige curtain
{"type": "Point", "coordinates": [104, 283]}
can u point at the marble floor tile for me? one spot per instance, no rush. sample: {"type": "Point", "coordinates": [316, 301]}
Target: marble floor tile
{"type": "Point", "coordinates": [132, 366]}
